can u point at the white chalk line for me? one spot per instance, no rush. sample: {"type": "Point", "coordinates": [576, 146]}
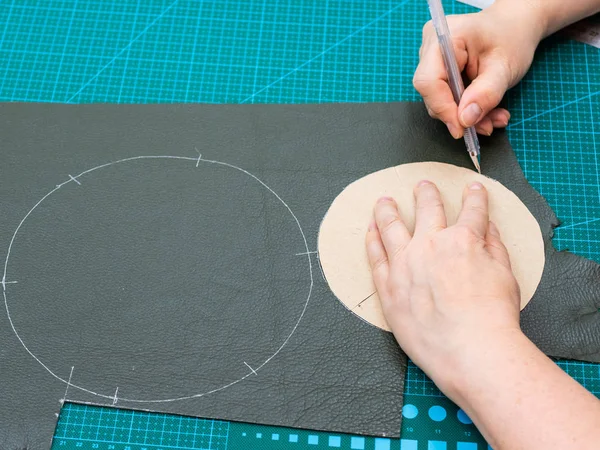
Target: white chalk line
{"type": "Point", "coordinates": [248, 366]}
{"type": "Point", "coordinates": [321, 269]}
{"type": "Point", "coordinates": [64, 399]}
{"type": "Point", "coordinates": [115, 398]}
{"type": "Point", "coordinates": [74, 179]}
{"type": "Point", "coordinates": [134, 158]}
{"type": "Point", "coordinates": [4, 283]}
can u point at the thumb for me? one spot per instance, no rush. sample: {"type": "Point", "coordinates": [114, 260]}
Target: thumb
{"type": "Point", "coordinates": [483, 95]}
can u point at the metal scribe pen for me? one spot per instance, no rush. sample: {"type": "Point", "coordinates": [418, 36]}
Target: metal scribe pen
{"type": "Point", "coordinates": [454, 76]}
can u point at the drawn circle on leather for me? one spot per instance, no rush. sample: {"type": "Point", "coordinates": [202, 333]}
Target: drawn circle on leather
{"type": "Point", "coordinates": [342, 251]}
{"type": "Point", "coordinates": [181, 275]}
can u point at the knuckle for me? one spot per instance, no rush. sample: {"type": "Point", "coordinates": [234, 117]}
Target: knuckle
{"type": "Point", "coordinates": [463, 234]}
{"type": "Point", "coordinates": [420, 83]}
{"type": "Point", "coordinates": [379, 263]}
{"type": "Point", "coordinates": [427, 28]}
{"type": "Point", "coordinates": [389, 223]}
{"type": "Point", "coordinates": [397, 253]}
{"type": "Point", "coordinates": [491, 95]}
{"type": "Point", "coordinates": [440, 108]}
{"type": "Point", "coordinates": [434, 229]}
{"type": "Point", "coordinates": [478, 208]}
{"type": "Point", "coordinates": [444, 109]}
{"type": "Point", "coordinates": [429, 204]}
{"type": "Point", "coordinates": [424, 82]}
{"type": "Point", "coordinates": [483, 129]}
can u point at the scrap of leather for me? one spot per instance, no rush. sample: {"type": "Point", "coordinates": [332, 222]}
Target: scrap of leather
{"type": "Point", "coordinates": [190, 285]}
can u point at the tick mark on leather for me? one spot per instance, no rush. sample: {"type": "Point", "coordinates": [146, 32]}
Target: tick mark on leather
{"type": "Point", "coordinates": [4, 283]}
{"type": "Point", "coordinates": [74, 179]}
{"type": "Point", "coordinates": [248, 365]}
{"type": "Point", "coordinates": [70, 384]}
{"type": "Point", "coordinates": [64, 399]}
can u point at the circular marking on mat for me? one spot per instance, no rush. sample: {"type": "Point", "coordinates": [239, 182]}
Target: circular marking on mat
{"type": "Point", "coordinates": [342, 234]}
{"type": "Point", "coordinates": [79, 182]}
{"type": "Point", "coordinates": [463, 418]}
{"type": "Point", "coordinates": [410, 411]}
{"type": "Point", "coordinates": [437, 413]}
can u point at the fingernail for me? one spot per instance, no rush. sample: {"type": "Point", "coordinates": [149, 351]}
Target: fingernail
{"type": "Point", "coordinates": [483, 131]}
{"type": "Point", "coordinates": [372, 226]}
{"type": "Point", "coordinates": [385, 199]}
{"type": "Point", "coordinates": [455, 132]}
{"type": "Point", "coordinates": [423, 183]}
{"type": "Point", "coordinates": [470, 115]}
{"type": "Point", "coordinates": [475, 186]}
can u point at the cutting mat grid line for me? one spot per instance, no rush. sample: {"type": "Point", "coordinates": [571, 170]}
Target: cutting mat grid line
{"type": "Point", "coordinates": [108, 425]}
{"type": "Point", "coordinates": [269, 51]}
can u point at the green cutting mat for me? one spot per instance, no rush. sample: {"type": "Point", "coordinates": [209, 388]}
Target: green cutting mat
{"type": "Point", "coordinates": [245, 51]}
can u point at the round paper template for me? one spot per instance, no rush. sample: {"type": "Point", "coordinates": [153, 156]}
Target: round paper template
{"type": "Point", "coordinates": [342, 235]}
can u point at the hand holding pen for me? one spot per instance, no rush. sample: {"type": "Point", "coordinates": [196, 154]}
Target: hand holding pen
{"type": "Point", "coordinates": [454, 76]}
{"type": "Point", "coordinates": [494, 49]}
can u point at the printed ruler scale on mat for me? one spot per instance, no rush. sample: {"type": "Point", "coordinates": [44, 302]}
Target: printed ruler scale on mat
{"type": "Point", "coordinates": [281, 53]}
{"type": "Point", "coordinates": [433, 421]}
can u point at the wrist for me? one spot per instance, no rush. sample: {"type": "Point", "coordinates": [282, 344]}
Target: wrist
{"type": "Point", "coordinates": [486, 357]}
{"type": "Point", "coordinates": [546, 16]}
{"type": "Point", "coordinates": [530, 14]}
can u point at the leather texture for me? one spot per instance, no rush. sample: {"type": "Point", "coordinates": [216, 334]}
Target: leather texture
{"type": "Point", "coordinates": [171, 278]}
{"type": "Point", "coordinates": [165, 277]}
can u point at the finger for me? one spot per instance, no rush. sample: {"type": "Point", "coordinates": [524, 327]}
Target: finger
{"type": "Point", "coordinates": [495, 245]}
{"type": "Point", "coordinates": [430, 80]}
{"type": "Point", "coordinates": [485, 126]}
{"type": "Point", "coordinates": [377, 257]}
{"type": "Point", "coordinates": [439, 102]}
{"type": "Point", "coordinates": [499, 117]}
{"type": "Point", "coordinates": [394, 234]}
{"type": "Point", "coordinates": [430, 216]}
{"type": "Point", "coordinates": [455, 132]}
{"type": "Point", "coordinates": [474, 212]}
{"type": "Point", "coordinates": [483, 94]}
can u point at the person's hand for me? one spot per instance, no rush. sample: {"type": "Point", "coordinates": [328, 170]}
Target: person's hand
{"type": "Point", "coordinates": [495, 49]}
{"type": "Point", "coordinates": [445, 291]}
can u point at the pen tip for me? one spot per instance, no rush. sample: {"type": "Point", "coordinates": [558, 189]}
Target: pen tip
{"type": "Point", "coordinates": [476, 161]}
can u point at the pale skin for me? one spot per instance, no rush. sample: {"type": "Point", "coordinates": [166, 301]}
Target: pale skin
{"type": "Point", "coordinates": [494, 48]}
{"type": "Point", "coordinates": [448, 292]}
{"type": "Point", "coordinates": [452, 302]}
